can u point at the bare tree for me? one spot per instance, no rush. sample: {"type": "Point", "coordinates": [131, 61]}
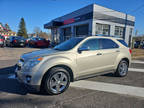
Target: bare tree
{"type": "Point", "coordinates": [37, 30]}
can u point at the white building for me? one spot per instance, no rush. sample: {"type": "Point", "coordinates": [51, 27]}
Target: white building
{"type": "Point", "coordinates": [90, 21]}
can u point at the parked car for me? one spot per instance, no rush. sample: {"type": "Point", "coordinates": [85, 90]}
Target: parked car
{"type": "Point", "coordinates": [2, 41]}
{"type": "Point", "coordinates": [137, 44]}
{"type": "Point", "coordinates": [142, 44]}
{"type": "Point", "coordinates": [16, 41]}
{"type": "Point", "coordinates": [52, 70]}
{"type": "Point", "coordinates": [38, 42]}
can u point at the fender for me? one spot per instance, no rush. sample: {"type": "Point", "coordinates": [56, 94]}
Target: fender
{"type": "Point", "coordinates": [119, 58]}
{"type": "Point", "coordinates": [54, 61]}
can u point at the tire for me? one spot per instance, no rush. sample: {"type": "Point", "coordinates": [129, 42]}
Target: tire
{"type": "Point", "coordinates": [122, 69]}
{"type": "Point", "coordinates": [56, 81]}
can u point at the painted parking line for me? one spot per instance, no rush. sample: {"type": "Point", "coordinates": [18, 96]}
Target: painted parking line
{"type": "Point", "coordinates": [137, 61]}
{"type": "Point", "coordinates": [136, 70]}
{"type": "Point", "coordinates": [112, 88]}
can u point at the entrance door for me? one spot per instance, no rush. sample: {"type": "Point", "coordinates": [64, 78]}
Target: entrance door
{"type": "Point", "coordinates": [67, 33]}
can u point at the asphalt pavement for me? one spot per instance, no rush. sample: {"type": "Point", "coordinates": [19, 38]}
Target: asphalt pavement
{"type": "Point", "coordinates": [105, 91]}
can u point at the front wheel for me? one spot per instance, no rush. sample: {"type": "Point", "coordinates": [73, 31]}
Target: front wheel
{"type": "Point", "coordinates": [56, 81]}
{"type": "Point", "coordinates": [122, 69]}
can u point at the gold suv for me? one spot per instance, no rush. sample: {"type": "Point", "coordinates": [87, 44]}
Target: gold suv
{"type": "Point", "coordinates": [52, 70]}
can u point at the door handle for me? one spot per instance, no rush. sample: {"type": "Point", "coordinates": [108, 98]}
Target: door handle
{"type": "Point", "coordinates": [99, 53]}
{"type": "Point", "coordinates": [117, 50]}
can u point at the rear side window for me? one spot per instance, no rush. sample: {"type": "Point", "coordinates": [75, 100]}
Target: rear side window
{"type": "Point", "coordinates": [108, 44]}
{"type": "Point", "coordinates": [123, 42]}
{"type": "Point", "coordinates": [93, 44]}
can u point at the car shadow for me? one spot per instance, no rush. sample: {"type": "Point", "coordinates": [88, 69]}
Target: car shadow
{"type": "Point", "coordinates": [7, 70]}
{"type": "Point", "coordinates": [109, 75]}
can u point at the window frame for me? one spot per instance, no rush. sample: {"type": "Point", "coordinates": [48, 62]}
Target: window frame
{"type": "Point", "coordinates": [119, 29]}
{"type": "Point", "coordinates": [101, 28]}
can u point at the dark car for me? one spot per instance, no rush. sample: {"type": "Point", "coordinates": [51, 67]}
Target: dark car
{"type": "Point", "coordinates": [2, 41]}
{"type": "Point", "coordinates": [39, 42]}
{"type": "Point", "coordinates": [137, 44]}
{"type": "Point", "coordinates": [16, 41]}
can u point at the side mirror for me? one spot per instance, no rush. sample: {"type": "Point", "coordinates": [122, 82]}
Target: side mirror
{"type": "Point", "coordinates": [84, 48]}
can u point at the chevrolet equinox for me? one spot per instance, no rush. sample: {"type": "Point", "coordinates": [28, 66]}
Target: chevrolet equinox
{"type": "Point", "coordinates": [52, 70]}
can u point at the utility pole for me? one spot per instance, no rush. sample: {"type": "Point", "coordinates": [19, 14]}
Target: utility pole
{"type": "Point", "coordinates": [124, 34]}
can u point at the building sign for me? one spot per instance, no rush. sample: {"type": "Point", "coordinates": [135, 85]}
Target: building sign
{"type": "Point", "coordinates": [69, 21]}
{"type": "Point", "coordinates": [79, 18]}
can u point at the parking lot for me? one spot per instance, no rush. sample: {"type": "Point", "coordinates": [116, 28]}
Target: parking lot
{"type": "Point", "coordinates": [105, 91]}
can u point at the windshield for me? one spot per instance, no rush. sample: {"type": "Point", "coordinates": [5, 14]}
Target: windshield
{"type": "Point", "coordinates": [18, 37]}
{"type": "Point", "coordinates": [69, 44]}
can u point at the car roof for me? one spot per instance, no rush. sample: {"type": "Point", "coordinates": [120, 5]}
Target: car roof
{"type": "Point", "coordinates": [106, 37]}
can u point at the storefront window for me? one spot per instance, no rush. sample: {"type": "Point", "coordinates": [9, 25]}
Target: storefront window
{"type": "Point", "coordinates": [82, 30]}
{"type": "Point", "coordinates": [103, 29]}
{"type": "Point", "coordinates": [119, 31]}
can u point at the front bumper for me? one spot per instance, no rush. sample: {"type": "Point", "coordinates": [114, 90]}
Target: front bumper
{"type": "Point", "coordinates": [26, 79]}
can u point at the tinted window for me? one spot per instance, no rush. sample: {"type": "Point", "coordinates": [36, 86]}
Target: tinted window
{"type": "Point", "coordinates": [41, 39]}
{"type": "Point", "coordinates": [93, 44]}
{"type": "Point", "coordinates": [108, 44]}
{"type": "Point", "coordinates": [69, 44]}
{"type": "Point", "coordinates": [34, 39]}
{"type": "Point", "coordinates": [123, 42]}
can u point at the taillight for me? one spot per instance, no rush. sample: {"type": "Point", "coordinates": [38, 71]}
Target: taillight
{"type": "Point", "coordinates": [15, 41]}
{"type": "Point", "coordinates": [130, 51]}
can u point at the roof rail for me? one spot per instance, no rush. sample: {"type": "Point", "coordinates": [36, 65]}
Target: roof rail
{"type": "Point", "coordinates": [108, 35]}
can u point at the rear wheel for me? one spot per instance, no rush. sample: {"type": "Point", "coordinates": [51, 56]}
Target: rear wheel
{"type": "Point", "coordinates": [122, 69]}
{"type": "Point", "coordinates": [56, 81]}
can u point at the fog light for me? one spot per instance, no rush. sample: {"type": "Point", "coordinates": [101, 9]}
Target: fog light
{"type": "Point", "coordinates": [28, 79]}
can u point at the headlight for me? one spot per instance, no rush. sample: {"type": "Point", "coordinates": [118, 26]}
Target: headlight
{"type": "Point", "coordinates": [32, 62]}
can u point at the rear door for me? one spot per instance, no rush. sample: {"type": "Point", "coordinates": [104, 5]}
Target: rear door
{"type": "Point", "coordinates": [109, 51]}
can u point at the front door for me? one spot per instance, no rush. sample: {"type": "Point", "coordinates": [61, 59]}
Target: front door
{"type": "Point", "coordinates": [88, 61]}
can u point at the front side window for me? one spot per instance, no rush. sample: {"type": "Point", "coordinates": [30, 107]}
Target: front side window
{"type": "Point", "coordinates": [108, 44]}
{"type": "Point", "coordinates": [102, 29]}
{"type": "Point", "coordinates": [92, 44]}
{"type": "Point", "coordinates": [119, 31]}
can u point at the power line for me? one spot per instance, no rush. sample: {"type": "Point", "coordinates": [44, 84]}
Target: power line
{"type": "Point", "coordinates": [138, 8]}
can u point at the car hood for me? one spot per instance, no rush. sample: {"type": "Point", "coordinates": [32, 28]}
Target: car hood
{"type": "Point", "coordinates": [44, 52]}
